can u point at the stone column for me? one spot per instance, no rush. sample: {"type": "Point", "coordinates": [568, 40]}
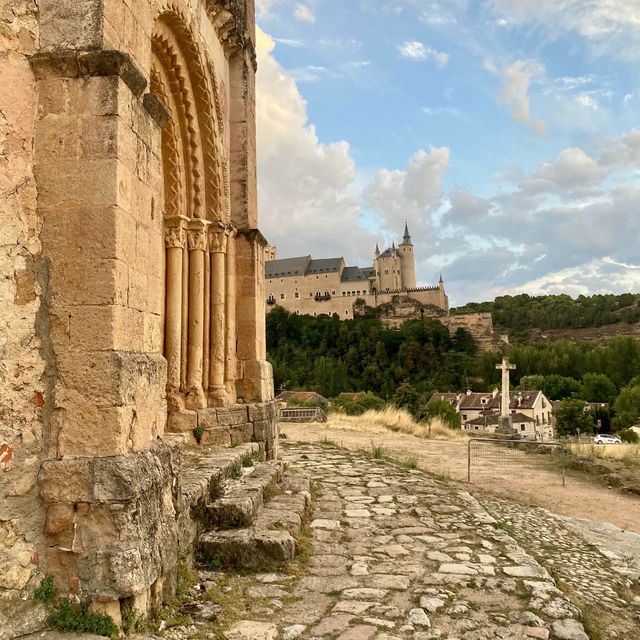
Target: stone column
{"type": "Point", "coordinates": [231, 363]}
{"type": "Point", "coordinates": [217, 395]}
{"type": "Point", "coordinates": [175, 241]}
{"type": "Point", "coordinates": [197, 244]}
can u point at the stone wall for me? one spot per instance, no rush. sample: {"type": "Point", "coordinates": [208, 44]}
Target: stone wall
{"type": "Point", "coordinates": [26, 366]}
{"type": "Point", "coordinates": [128, 222]}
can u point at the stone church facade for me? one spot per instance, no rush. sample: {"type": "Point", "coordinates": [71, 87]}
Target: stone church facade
{"type": "Point", "coordinates": [132, 284]}
{"type": "Point", "coordinates": [327, 286]}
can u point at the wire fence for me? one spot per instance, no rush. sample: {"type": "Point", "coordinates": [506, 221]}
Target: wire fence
{"type": "Point", "coordinates": [493, 459]}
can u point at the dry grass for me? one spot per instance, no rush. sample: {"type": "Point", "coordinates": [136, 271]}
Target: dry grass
{"type": "Point", "coordinates": [629, 453]}
{"type": "Point", "coordinates": [396, 420]}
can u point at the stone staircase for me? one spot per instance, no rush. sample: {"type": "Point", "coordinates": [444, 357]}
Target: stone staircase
{"type": "Point", "coordinates": [249, 514]}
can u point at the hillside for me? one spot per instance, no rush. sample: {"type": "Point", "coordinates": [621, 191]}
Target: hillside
{"type": "Point", "coordinates": [548, 318]}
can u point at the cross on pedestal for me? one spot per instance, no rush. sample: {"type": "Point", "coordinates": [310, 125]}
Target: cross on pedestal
{"type": "Point", "coordinates": [505, 425]}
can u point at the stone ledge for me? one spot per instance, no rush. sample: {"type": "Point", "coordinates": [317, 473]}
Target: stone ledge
{"type": "Point", "coordinates": [77, 64]}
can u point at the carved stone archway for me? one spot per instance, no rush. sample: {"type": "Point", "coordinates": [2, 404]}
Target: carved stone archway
{"type": "Point", "coordinates": [199, 324]}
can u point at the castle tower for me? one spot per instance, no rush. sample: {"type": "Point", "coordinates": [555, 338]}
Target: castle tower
{"type": "Point", "coordinates": [407, 261]}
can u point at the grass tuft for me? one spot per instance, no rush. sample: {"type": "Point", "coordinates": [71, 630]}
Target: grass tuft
{"type": "Point", "coordinates": [46, 591]}
{"type": "Point", "coordinates": [70, 617]}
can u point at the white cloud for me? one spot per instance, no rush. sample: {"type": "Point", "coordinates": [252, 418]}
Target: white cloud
{"type": "Point", "coordinates": [410, 194]}
{"type": "Point", "coordinates": [308, 198]}
{"type": "Point", "coordinates": [304, 13]}
{"type": "Point", "coordinates": [514, 93]}
{"type": "Point", "coordinates": [263, 7]}
{"type": "Point", "coordinates": [611, 26]}
{"type": "Point", "coordinates": [415, 50]}
{"type": "Point", "coordinates": [289, 42]}
{"type": "Point", "coordinates": [312, 73]}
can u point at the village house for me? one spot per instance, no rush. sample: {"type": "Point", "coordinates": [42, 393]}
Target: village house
{"type": "Point", "coordinates": [531, 412]}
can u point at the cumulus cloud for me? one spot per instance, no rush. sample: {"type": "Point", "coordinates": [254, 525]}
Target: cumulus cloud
{"type": "Point", "coordinates": [514, 93]}
{"type": "Point", "coordinates": [308, 199]}
{"type": "Point", "coordinates": [415, 50]}
{"type": "Point", "coordinates": [304, 13]}
{"type": "Point", "coordinates": [559, 228]}
{"type": "Point", "coordinates": [410, 194]}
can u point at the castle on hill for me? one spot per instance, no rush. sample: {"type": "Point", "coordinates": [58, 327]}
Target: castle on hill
{"type": "Point", "coordinates": [310, 286]}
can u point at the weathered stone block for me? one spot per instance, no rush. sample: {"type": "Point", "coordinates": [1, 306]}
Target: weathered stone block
{"type": "Point", "coordinates": [261, 429]}
{"type": "Point", "coordinates": [65, 480]}
{"type": "Point", "coordinates": [241, 433]}
{"type": "Point", "coordinates": [232, 415]}
{"type": "Point", "coordinates": [220, 436]}
{"type": "Point", "coordinates": [182, 422]}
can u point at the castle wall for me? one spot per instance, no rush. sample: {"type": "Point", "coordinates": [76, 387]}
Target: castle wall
{"type": "Point", "coordinates": [134, 304]}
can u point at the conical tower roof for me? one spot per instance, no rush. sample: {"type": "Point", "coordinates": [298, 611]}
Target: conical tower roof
{"type": "Point", "coordinates": [406, 239]}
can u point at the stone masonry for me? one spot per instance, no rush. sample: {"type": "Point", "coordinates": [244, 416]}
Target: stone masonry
{"type": "Point", "coordinates": [132, 289]}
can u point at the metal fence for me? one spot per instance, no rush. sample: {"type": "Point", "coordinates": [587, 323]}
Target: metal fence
{"type": "Point", "coordinates": [490, 459]}
{"type": "Point", "coordinates": [302, 414]}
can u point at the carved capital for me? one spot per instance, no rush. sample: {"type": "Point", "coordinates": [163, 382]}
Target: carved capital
{"type": "Point", "coordinates": [174, 232]}
{"type": "Point", "coordinates": [197, 235]}
{"type": "Point", "coordinates": [218, 240]}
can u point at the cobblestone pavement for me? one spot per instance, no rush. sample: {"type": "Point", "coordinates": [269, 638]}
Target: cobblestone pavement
{"type": "Point", "coordinates": [602, 582]}
{"type": "Point", "coordinates": [397, 553]}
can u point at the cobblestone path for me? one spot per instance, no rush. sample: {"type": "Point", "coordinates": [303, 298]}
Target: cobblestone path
{"type": "Point", "coordinates": [603, 583]}
{"type": "Point", "coordinates": [396, 553]}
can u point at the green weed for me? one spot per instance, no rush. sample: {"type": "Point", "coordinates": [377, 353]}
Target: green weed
{"type": "Point", "coordinates": [46, 591]}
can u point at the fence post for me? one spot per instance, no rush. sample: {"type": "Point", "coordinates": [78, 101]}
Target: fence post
{"type": "Point", "coordinates": [563, 460]}
{"type": "Point", "coordinates": [469, 461]}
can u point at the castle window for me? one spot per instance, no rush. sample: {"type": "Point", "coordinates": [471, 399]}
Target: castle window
{"type": "Point", "coordinates": [297, 295]}
{"type": "Point", "coordinates": [333, 293]}
{"type": "Point", "coordinates": [344, 293]}
{"type": "Point", "coordinates": [346, 312]}
{"type": "Point", "coordinates": [386, 273]}
{"type": "Point", "coordinates": [282, 296]}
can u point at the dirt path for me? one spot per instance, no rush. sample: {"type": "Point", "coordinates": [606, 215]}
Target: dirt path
{"type": "Point", "coordinates": [536, 486]}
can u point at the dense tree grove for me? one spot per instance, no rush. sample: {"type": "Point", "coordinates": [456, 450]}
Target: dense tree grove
{"type": "Point", "coordinates": [518, 314]}
{"type": "Point", "coordinates": [406, 365]}
{"type": "Point", "coordinates": [331, 356]}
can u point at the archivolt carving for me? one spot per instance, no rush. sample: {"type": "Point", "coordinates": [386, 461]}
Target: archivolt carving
{"type": "Point", "coordinates": [174, 39]}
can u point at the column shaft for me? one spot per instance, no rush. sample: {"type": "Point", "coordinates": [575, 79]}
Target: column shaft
{"type": "Point", "coordinates": [217, 347]}
{"type": "Point", "coordinates": [197, 249]}
{"type": "Point", "coordinates": [230, 357]}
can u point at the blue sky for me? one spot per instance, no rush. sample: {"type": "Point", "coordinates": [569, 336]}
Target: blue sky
{"type": "Point", "coordinates": [502, 130]}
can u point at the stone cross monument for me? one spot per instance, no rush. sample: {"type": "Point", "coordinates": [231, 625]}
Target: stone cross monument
{"type": "Point", "coordinates": [505, 426]}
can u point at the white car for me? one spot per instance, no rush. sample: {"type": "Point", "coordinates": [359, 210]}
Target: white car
{"type": "Point", "coordinates": [606, 438]}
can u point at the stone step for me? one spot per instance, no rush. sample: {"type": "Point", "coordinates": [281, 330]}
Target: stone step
{"type": "Point", "coordinates": [271, 539]}
{"type": "Point", "coordinates": [242, 497]}
{"type": "Point", "coordinates": [206, 469]}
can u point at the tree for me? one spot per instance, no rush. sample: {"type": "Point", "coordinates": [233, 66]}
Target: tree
{"type": "Point", "coordinates": [559, 387]}
{"type": "Point", "coordinates": [443, 410]}
{"type": "Point", "coordinates": [406, 397]}
{"type": "Point", "coordinates": [597, 387]}
{"type": "Point", "coordinates": [571, 416]}
{"type": "Point", "coordinates": [626, 408]}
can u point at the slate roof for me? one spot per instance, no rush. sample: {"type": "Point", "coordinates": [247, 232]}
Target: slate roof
{"type": "Point", "coordinates": [385, 254]}
{"type": "Point", "coordinates": [370, 272]}
{"type": "Point", "coordinates": [287, 267]}
{"type": "Point", "coordinates": [325, 265]}
{"type": "Point", "coordinates": [353, 274]}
